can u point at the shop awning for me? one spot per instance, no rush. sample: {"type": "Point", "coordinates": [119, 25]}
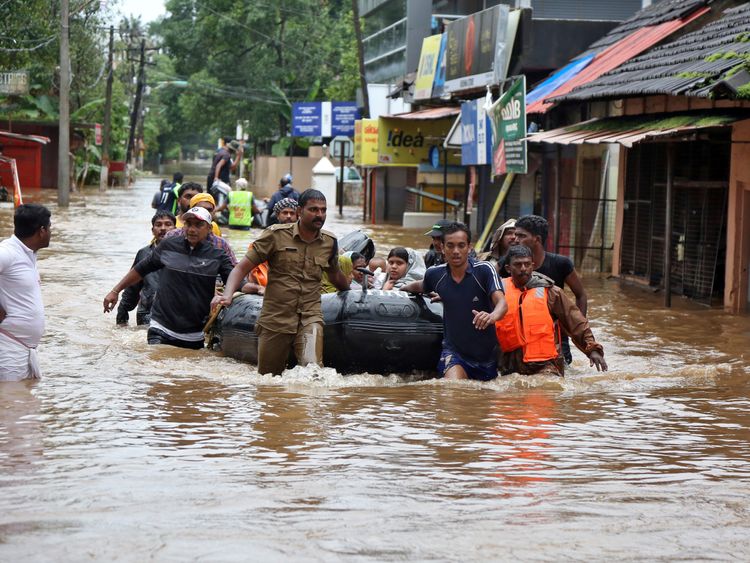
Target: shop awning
{"type": "Point", "coordinates": [628, 131]}
{"type": "Point", "coordinates": [33, 138]}
{"type": "Point", "coordinates": [427, 114]}
{"type": "Point", "coordinates": [613, 56]}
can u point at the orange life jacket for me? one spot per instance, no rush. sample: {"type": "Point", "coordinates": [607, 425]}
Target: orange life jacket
{"type": "Point", "coordinates": [527, 324]}
{"type": "Point", "coordinates": [260, 274]}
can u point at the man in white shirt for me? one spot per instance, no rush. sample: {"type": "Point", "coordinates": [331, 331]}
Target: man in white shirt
{"type": "Point", "coordinates": [21, 306]}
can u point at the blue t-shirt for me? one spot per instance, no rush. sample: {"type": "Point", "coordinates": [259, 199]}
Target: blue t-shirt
{"type": "Point", "coordinates": [473, 292]}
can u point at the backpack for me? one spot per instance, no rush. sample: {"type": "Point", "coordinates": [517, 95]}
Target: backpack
{"type": "Point", "coordinates": [168, 198]}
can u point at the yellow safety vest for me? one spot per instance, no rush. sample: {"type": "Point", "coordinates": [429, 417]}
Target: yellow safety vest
{"type": "Point", "coordinates": [240, 209]}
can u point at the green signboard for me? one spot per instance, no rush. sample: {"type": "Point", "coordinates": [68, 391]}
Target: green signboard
{"type": "Point", "coordinates": [508, 118]}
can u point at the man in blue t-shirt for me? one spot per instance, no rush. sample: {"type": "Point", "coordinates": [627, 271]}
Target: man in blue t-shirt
{"type": "Point", "coordinates": [472, 302]}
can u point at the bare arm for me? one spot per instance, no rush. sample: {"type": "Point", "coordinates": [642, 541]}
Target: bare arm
{"type": "Point", "coordinates": [338, 279]}
{"type": "Point", "coordinates": [483, 319]}
{"type": "Point", "coordinates": [219, 166]}
{"type": "Point", "coordinates": [237, 160]}
{"type": "Point", "coordinates": [576, 286]}
{"type": "Point", "coordinates": [234, 282]}
{"type": "Point", "coordinates": [416, 286]}
{"type": "Point", "coordinates": [110, 300]}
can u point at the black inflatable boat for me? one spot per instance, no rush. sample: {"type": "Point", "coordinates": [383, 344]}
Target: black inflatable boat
{"type": "Point", "coordinates": [365, 331]}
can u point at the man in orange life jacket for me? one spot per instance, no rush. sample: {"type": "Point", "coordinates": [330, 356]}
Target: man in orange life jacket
{"type": "Point", "coordinates": [529, 333]}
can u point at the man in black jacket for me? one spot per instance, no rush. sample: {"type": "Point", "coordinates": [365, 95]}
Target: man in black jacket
{"type": "Point", "coordinates": [142, 293]}
{"type": "Point", "coordinates": [189, 265]}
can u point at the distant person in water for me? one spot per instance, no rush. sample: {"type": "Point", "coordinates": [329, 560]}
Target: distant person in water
{"type": "Point", "coordinates": [529, 334]}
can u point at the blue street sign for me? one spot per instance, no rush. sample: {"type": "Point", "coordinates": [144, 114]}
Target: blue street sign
{"type": "Point", "coordinates": [306, 119]}
{"type": "Point", "coordinates": [324, 119]}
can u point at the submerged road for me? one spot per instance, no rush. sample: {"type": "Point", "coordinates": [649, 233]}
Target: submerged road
{"type": "Point", "coordinates": [130, 452]}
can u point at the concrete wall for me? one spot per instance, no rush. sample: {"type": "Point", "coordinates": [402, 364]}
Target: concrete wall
{"type": "Point", "coordinates": [268, 170]}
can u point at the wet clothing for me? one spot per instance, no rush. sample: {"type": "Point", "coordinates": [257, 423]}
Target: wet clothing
{"type": "Point", "coordinates": [21, 298]}
{"type": "Point", "coordinates": [224, 155]}
{"type": "Point", "coordinates": [482, 371]}
{"type": "Point", "coordinates": [295, 269]}
{"type": "Point", "coordinates": [274, 347]}
{"type": "Point", "coordinates": [346, 267]}
{"type": "Point", "coordinates": [433, 257]}
{"type": "Point", "coordinates": [168, 198]}
{"type": "Point", "coordinates": [292, 298]}
{"type": "Point", "coordinates": [139, 295]}
{"type": "Point", "coordinates": [187, 284]}
{"type": "Point", "coordinates": [563, 312]}
{"type": "Point", "coordinates": [281, 193]}
{"type": "Point", "coordinates": [217, 241]}
{"type": "Point", "coordinates": [474, 291]}
{"type": "Point", "coordinates": [157, 336]}
{"type": "Point", "coordinates": [240, 210]}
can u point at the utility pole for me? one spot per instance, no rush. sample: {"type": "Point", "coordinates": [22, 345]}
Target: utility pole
{"type": "Point", "coordinates": [137, 103]}
{"type": "Point", "coordinates": [104, 174]}
{"type": "Point", "coordinates": [361, 59]}
{"type": "Point", "coordinates": [63, 153]}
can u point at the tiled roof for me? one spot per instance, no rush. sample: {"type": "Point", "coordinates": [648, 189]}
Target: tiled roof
{"type": "Point", "coordinates": [689, 66]}
{"type": "Point", "coordinates": [655, 14]}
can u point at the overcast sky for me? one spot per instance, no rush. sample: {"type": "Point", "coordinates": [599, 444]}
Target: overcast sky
{"type": "Point", "coordinates": [148, 9]}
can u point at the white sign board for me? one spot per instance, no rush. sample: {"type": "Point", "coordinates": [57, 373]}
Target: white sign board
{"type": "Point", "coordinates": [14, 83]}
{"type": "Point", "coordinates": [342, 144]}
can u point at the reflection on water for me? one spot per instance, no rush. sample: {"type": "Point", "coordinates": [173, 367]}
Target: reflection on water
{"type": "Point", "coordinates": [134, 452]}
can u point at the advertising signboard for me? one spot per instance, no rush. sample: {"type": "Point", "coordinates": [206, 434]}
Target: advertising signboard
{"type": "Point", "coordinates": [406, 142]}
{"type": "Point", "coordinates": [476, 49]}
{"type": "Point", "coordinates": [323, 119]}
{"type": "Point", "coordinates": [366, 142]}
{"type": "Point", "coordinates": [97, 134]}
{"type": "Point", "coordinates": [427, 67]}
{"type": "Point", "coordinates": [508, 118]}
{"type": "Point", "coordinates": [476, 134]}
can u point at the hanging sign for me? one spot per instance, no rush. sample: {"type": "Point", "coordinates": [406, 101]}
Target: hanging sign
{"type": "Point", "coordinates": [508, 119]}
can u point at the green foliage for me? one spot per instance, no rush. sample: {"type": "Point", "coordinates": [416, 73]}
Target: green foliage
{"type": "Point", "coordinates": [249, 61]}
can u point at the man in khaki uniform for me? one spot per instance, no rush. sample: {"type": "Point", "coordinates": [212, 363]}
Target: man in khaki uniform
{"type": "Point", "coordinates": [297, 254]}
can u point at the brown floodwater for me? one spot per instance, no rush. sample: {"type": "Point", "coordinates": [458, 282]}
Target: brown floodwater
{"type": "Point", "coordinates": [130, 452]}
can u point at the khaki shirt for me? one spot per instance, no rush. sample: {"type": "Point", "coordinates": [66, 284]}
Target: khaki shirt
{"type": "Point", "coordinates": [292, 295]}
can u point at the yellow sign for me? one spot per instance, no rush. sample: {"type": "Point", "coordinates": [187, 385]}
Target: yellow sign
{"type": "Point", "coordinates": [427, 67]}
{"type": "Point", "coordinates": [407, 142]}
{"type": "Point", "coordinates": [366, 142]}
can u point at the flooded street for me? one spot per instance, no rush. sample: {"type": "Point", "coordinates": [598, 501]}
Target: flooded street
{"type": "Point", "coordinates": [130, 452]}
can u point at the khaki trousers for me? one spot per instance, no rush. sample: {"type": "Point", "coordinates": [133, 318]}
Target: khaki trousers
{"type": "Point", "coordinates": [274, 348]}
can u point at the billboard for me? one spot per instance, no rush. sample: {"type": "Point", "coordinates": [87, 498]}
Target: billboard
{"type": "Point", "coordinates": [476, 49]}
{"type": "Point", "coordinates": [407, 142]}
{"type": "Point", "coordinates": [508, 118]}
{"type": "Point", "coordinates": [476, 134]}
{"type": "Point", "coordinates": [324, 119]}
{"type": "Point", "coordinates": [428, 61]}
{"type": "Point", "coordinates": [366, 142]}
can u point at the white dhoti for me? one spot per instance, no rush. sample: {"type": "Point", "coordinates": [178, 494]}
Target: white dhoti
{"type": "Point", "coordinates": [17, 361]}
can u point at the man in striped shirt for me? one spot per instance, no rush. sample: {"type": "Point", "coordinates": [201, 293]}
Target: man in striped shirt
{"type": "Point", "coordinates": [473, 301]}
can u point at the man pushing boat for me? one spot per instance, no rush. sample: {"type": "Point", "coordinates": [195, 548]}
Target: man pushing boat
{"type": "Point", "coordinates": [297, 254]}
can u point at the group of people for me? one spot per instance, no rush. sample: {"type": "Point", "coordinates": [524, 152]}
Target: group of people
{"type": "Point", "coordinates": [504, 310]}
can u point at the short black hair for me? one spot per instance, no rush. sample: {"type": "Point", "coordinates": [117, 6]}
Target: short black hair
{"type": "Point", "coordinates": [177, 177]}
{"type": "Point", "coordinates": [227, 140]}
{"type": "Point", "coordinates": [163, 213]}
{"type": "Point", "coordinates": [190, 186]}
{"type": "Point", "coordinates": [518, 251]}
{"type": "Point", "coordinates": [307, 195]}
{"type": "Point", "coordinates": [29, 218]}
{"type": "Point", "coordinates": [357, 256]}
{"type": "Point", "coordinates": [456, 227]}
{"type": "Point", "coordinates": [536, 225]}
{"type": "Point", "coordinates": [284, 181]}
